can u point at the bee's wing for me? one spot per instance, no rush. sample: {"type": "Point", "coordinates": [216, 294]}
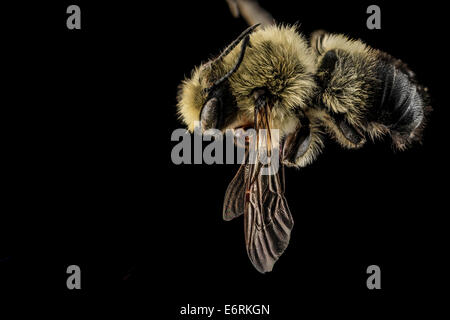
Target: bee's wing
{"type": "Point", "coordinates": [233, 205]}
{"type": "Point", "coordinates": [267, 219]}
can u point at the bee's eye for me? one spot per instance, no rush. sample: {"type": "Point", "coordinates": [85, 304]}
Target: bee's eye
{"type": "Point", "coordinates": [210, 115]}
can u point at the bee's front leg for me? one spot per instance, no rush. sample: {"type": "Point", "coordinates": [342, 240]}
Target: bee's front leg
{"type": "Point", "coordinates": [296, 144]}
{"type": "Point", "coordinates": [302, 146]}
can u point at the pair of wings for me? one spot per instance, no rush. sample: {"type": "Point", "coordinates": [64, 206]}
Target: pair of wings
{"type": "Point", "coordinates": [260, 198]}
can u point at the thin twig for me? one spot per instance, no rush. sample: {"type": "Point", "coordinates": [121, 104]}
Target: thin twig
{"type": "Point", "coordinates": [251, 11]}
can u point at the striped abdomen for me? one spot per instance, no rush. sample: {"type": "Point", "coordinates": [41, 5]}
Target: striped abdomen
{"type": "Point", "coordinates": [400, 102]}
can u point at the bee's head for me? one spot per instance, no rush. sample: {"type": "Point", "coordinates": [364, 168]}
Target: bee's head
{"type": "Point", "coordinates": [206, 95]}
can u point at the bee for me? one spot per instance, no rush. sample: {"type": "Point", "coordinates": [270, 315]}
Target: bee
{"type": "Point", "coordinates": [273, 78]}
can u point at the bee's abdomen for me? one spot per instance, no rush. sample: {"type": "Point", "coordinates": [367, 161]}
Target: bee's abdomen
{"type": "Point", "coordinates": [400, 103]}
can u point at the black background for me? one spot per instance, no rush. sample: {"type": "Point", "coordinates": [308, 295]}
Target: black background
{"type": "Point", "coordinates": [88, 177]}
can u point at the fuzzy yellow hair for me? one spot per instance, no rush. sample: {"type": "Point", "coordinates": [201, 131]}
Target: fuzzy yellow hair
{"type": "Point", "coordinates": [353, 79]}
{"type": "Point", "coordinates": [278, 59]}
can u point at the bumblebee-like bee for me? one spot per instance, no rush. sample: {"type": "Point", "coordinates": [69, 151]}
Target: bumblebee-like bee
{"type": "Point", "coordinates": [273, 78]}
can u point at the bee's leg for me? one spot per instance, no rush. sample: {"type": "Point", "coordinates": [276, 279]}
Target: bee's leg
{"type": "Point", "coordinates": [297, 144]}
{"type": "Point", "coordinates": [354, 138]}
{"type": "Point", "coordinates": [316, 41]}
{"type": "Point", "coordinates": [346, 134]}
{"type": "Point", "coordinates": [301, 147]}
